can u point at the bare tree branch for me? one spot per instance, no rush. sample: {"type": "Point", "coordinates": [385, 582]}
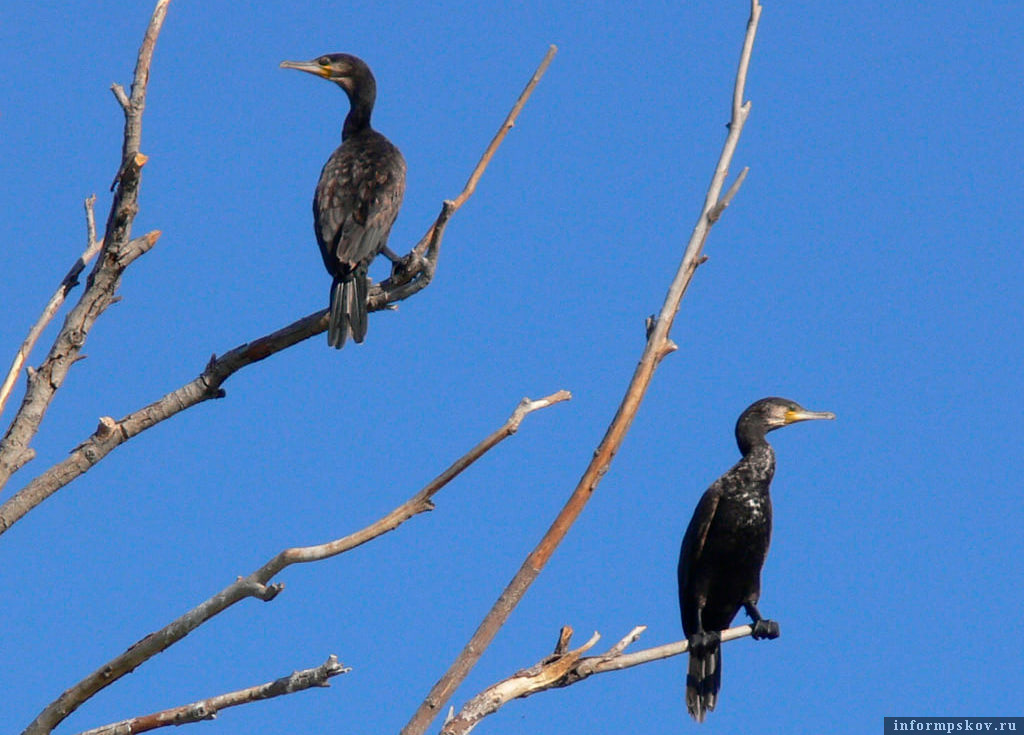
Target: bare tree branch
{"type": "Point", "coordinates": [413, 276]}
{"type": "Point", "coordinates": [658, 345]}
{"type": "Point", "coordinates": [117, 253]}
{"type": "Point", "coordinates": [418, 267]}
{"type": "Point", "coordinates": [620, 660]}
{"type": "Point", "coordinates": [542, 675]}
{"type": "Point", "coordinates": [207, 709]}
{"type": "Point", "coordinates": [564, 668]}
{"type": "Point", "coordinates": [257, 584]}
{"type": "Point", "coordinates": [110, 434]}
{"type": "Point", "coordinates": [53, 305]}
{"type": "Point", "coordinates": [418, 503]}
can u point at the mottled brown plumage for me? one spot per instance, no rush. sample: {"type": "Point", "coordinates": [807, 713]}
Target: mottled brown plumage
{"type": "Point", "coordinates": [357, 198]}
{"type": "Point", "coordinates": [725, 547]}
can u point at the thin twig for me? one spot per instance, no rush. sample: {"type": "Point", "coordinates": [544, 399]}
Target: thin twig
{"type": "Point", "coordinates": [258, 584]}
{"type": "Point", "coordinates": [118, 251]}
{"type": "Point", "coordinates": [658, 345]}
{"type": "Point", "coordinates": [726, 200]}
{"type": "Point", "coordinates": [510, 121]}
{"type": "Point", "coordinates": [421, 263]}
{"type": "Point", "coordinates": [207, 709]}
{"type": "Point", "coordinates": [563, 669]}
{"type": "Point", "coordinates": [53, 305]}
{"type": "Point", "coordinates": [419, 503]}
{"type": "Point", "coordinates": [413, 278]}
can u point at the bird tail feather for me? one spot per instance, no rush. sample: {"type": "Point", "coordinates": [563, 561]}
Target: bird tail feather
{"type": "Point", "coordinates": [703, 680]}
{"type": "Point", "coordinates": [348, 309]}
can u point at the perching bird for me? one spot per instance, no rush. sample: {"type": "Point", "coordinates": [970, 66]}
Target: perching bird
{"type": "Point", "coordinates": [357, 197]}
{"type": "Point", "coordinates": [725, 547]}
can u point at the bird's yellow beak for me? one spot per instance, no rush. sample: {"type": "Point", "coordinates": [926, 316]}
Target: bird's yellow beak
{"type": "Point", "coordinates": [802, 415]}
{"type": "Point", "coordinates": [310, 66]}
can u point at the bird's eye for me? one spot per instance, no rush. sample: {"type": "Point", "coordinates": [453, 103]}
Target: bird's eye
{"type": "Point", "coordinates": [323, 61]}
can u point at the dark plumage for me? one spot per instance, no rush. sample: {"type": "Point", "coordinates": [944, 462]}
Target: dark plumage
{"type": "Point", "coordinates": [357, 197]}
{"type": "Point", "coordinates": [725, 547]}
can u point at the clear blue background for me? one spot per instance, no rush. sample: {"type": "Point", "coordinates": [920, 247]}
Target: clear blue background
{"type": "Point", "coordinates": [871, 265]}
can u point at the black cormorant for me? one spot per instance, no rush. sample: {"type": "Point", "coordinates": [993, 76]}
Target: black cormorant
{"type": "Point", "coordinates": [357, 197]}
{"type": "Point", "coordinates": [725, 547]}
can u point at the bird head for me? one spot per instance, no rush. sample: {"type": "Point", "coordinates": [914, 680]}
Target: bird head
{"type": "Point", "coordinates": [775, 413]}
{"type": "Point", "coordinates": [769, 414]}
{"type": "Point", "coordinates": [347, 71]}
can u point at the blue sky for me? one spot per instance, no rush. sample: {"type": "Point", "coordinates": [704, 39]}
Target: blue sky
{"type": "Point", "coordinates": [870, 265]}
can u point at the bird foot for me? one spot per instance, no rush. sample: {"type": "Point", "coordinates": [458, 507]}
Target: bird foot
{"type": "Point", "coordinates": [704, 644]}
{"type": "Point", "coordinates": [765, 630]}
{"type": "Point", "coordinates": [402, 267]}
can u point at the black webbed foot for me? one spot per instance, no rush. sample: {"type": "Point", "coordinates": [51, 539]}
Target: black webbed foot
{"type": "Point", "coordinates": [765, 630]}
{"type": "Point", "coordinates": [704, 644]}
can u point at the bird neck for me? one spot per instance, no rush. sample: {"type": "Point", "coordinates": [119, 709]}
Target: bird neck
{"type": "Point", "coordinates": [750, 437]}
{"type": "Point", "coordinates": [361, 100]}
{"type": "Point", "coordinates": [759, 461]}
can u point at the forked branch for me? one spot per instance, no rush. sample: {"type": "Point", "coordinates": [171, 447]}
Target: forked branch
{"type": "Point", "coordinates": [564, 668]}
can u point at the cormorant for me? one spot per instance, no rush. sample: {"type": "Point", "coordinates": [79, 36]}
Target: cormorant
{"type": "Point", "coordinates": [357, 197]}
{"type": "Point", "coordinates": [725, 547]}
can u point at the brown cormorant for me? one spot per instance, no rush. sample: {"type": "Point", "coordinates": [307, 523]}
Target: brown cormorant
{"type": "Point", "coordinates": [725, 547]}
{"type": "Point", "coordinates": [357, 197]}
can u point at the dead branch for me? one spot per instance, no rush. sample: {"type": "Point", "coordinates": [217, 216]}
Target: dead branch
{"type": "Point", "coordinates": [418, 267]}
{"type": "Point", "coordinates": [414, 274]}
{"type": "Point", "coordinates": [207, 709]}
{"type": "Point", "coordinates": [257, 584]}
{"type": "Point", "coordinates": [116, 254]}
{"type": "Point", "coordinates": [658, 345]}
{"type": "Point", "coordinates": [542, 675]}
{"type": "Point", "coordinates": [418, 503]}
{"type": "Point", "coordinates": [564, 668]}
{"type": "Point", "coordinates": [53, 305]}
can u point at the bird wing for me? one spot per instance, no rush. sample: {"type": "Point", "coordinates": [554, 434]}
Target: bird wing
{"type": "Point", "coordinates": [697, 531]}
{"type": "Point", "coordinates": [688, 573]}
{"type": "Point", "coordinates": [356, 204]}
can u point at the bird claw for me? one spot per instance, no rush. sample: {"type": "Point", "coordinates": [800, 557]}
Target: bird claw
{"type": "Point", "coordinates": [765, 630]}
{"type": "Point", "coordinates": [704, 644]}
